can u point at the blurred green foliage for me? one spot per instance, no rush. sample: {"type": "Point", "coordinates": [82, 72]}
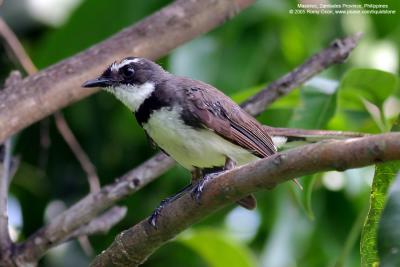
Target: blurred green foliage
{"type": "Point", "coordinates": [388, 231]}
{"type": "Point", "coordinates": [256, 47]}
{"type": "Point", "coordinates": [217, 248]}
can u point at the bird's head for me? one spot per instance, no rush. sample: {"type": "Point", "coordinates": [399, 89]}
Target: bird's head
{"type": "Point", "coordinates": [131, 80]}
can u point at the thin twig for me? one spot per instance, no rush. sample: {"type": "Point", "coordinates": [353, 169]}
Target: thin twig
{"type": "Point", "coordinates": [312, 134]}
{"type": "Point", "coordinates": [86, 246]}
{"type": "Point", "coordinates": [15, 47]}
{"type": "Point", "coordinates": [18, 51]}
{"type": "Point", "coordinates": [5, 240]}
{"type": "Point", "coordinates": [79, 153]}
{"type": "Point", "coordinates": [135, 245]}
{"type": "Point", "coordinates": [101, 224]}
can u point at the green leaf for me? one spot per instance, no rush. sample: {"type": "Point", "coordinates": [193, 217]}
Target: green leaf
{"type": "Point", "coordinates": [218, 249]}
{"type": "Point", "coordinates": [396, 126]}
{"type": "Point", "coordinates": [357, 87]}
{"type": "Point", "coordinates": [376, 115]}
{"type": "Point", "coordinates": [374, 85]}
{"type": "Point", "coordinates": [353, 120]}
{"type": "Point", "coordinates": [389, 230]}
{"type": "Point", "coordinates": [384, 175]}
{"type": "Point", "coordinates": [314, 111]}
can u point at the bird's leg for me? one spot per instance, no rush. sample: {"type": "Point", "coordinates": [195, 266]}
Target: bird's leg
{"type": "Point", "coordinates": [156, 213]}
{"type": "Point", "coordinates": [229, 164]}
{"type": "Point", "coordinates": [199, 187]}
{"type": "Point", "coordinates": [196, 175]}
{"type": "Point", "coordinates": [249, 202]}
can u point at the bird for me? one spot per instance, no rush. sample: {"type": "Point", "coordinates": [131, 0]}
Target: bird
{"type": "Point", "coordinates": [196, 124]}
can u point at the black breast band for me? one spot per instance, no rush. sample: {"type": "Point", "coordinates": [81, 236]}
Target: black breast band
{"type": "Point", "coordinates": [150, 104]}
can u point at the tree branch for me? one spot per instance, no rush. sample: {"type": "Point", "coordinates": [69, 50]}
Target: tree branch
{"type": "Point", "coordinates": [102, 224]}
{"type": "Point", "coordinates": [41, 94]}
{"type": "Point", "coordinates": [99, 225]}
{"type": "Point", "coordinates": [91, 205]}
{"type": "Point", "coordinates": [319, 135]}
{"type": "Point", "coordinates": [133, 246]}
{"type": "Point", "coordinates": [6, 245]}
{"type": "Point", "coordinates": [337, 52]}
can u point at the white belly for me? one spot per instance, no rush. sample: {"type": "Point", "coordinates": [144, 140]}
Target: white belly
{"type": "Point", "coordinates": [190, 147]}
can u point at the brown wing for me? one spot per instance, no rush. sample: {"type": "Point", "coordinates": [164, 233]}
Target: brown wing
{"type": "Point", "coordinates": [219, 113]}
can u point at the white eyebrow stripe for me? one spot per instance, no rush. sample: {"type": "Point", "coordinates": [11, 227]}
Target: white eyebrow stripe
{"type": "Point", "coordinates": [114, 67]}
{"type": "Point", "coordinates": [127, 62]}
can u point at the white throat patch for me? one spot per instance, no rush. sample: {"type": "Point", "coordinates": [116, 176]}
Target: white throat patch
{"type": "Point", "coordinates": [133, 95]}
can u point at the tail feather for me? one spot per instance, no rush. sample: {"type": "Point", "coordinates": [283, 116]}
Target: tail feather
{"type": "Point", "coordinates": [248, 202]}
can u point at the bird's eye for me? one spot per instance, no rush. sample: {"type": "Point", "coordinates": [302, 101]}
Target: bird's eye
{"type": "Point", "coordinates": [128, 72]}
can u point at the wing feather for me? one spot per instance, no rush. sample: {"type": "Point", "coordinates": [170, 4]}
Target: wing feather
{"type": "Point", "coordinates": [219, 113]}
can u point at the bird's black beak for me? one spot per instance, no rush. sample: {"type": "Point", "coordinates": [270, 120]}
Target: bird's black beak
{"type": "Point", "coordinates": [98, 82]}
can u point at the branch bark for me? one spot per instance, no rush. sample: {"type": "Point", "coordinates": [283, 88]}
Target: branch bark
{"type": "Point", "coordinates": [133, 246]}
{"type": "Point", "coordinates": [41, 94]}
{"type": "Point", "coordinates": [91, 205]}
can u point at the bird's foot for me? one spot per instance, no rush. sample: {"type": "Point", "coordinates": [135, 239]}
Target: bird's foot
{"type": "Point", "coordinates": [157, 212]}
{"type": "Point", "coordinates": [198, 188]}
